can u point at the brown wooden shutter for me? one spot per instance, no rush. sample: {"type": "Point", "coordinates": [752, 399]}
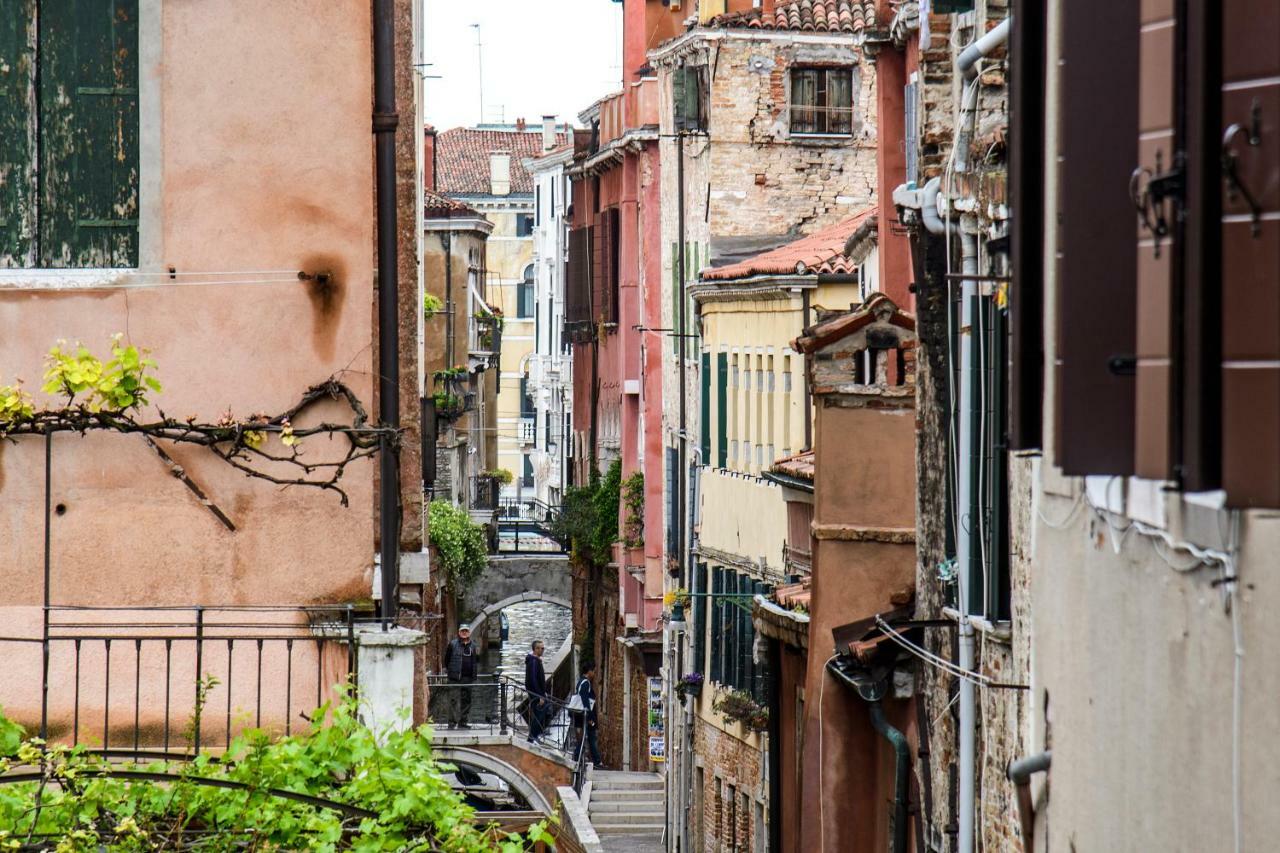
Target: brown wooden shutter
{"type": "Point", "coordinates": [1157, 255]}
{"type": "Point", "coordinates": [1026, 183]}
{"type": "Point", "coordinates": [578, 295]}
{"type": "Point", "coordinates": [1251, 254]}
{"type": "Point", "coordinates": [1094, 411]}
{"type": "Point", "coordinates": [613, 223]}
{"type": "Point", "coordinates": [600, 271]}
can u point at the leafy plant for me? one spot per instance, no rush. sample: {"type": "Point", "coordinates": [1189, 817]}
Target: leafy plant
{"type": "Point", "coordinates": [588, 520]}
{"type": "Point", "coordinates": [459, 542]}
{"type": "Point", "coordinates": [502, 475]}
{"type": "Point", "coordinates": [740, 706]}
{"type": "Point", "coordinates": [15, 405]}
{"type": "Point", "coordinates": [391, 775]}
{"type": "Point", "coordinates": [450, 374]}
{"type": "Point", "coordinates": [431, 304]}
{"type": "Point", "coordinates": [679, 595]}
{"type": "Point", "coordinates": [123, 382]}
{"type": "Point", "coordinates": [447, 405]}
{"type": "Point", "coordinates": [633, 501]}
{"type": "Point", "coordinates": [689, 685]}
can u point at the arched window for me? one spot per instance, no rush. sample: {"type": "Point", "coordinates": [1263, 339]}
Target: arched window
{"type": "Point", "coordinates": [525, 294]}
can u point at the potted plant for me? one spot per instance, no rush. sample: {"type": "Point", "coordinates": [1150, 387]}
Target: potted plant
{"type": "Point", "coordinates": [431, 305]}
{"type": "Point", "coordinates": [689, 685]}
{"type": "Point", "coordinates": [740, 707]}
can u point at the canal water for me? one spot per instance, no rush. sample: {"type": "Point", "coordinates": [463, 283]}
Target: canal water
{"type": "Point", "coordinates": [528, 620]}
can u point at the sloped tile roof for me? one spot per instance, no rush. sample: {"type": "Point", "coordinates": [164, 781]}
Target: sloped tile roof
{"type": "Point", "coordinates": [440, 206]}
{"type": "Point", "coordinates": [799, 466]}
{"type": "Point", "coordinates": [823, 251]}
{"type": "Point", "coordinates": [822, 16]}
{"type": "Point", "coordinates": [462, 157]}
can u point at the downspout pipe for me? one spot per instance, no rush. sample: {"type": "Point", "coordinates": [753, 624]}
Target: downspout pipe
{"type": "Point", "coordinates": [385, 121]}
{"type": "Point", "coordinates": [966, 68]}
{"type": "Point", "coordinates": [1020, 772]}
{"type": "Point", "coordinates": [933, 221]}
{"type": "Point", "coordinates": [872, 690]}
{"type": "Point", "coordinates": [901, 774]}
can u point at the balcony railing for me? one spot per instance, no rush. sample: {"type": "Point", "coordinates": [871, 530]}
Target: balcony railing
{"type": "Point", "coordinates": [485, 492]}
{"type": "Point", "coordinates": [526, 432]}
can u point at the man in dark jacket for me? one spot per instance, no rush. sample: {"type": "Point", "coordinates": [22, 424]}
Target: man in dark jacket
{"type": "Point", "coordinates": [462, 666]}
{"type": "Point", "coordinates": [586, 720]}
{"type": "Point", "coordinates": [535, 683]}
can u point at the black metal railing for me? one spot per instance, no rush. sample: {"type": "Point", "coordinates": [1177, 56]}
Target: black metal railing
{"type": "Point", "coordinates": [499, 705]}
{"type": "Point", "coordinates": [132, 680]}
{"type": "Point", "coordinates": [486, 492]}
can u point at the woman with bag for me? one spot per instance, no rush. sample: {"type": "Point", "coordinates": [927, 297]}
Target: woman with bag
{"type": "Point", "coordinates": [582, 710]}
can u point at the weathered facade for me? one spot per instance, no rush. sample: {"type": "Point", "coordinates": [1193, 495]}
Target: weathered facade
{"type": "Point", "coordinates": [240, 252]}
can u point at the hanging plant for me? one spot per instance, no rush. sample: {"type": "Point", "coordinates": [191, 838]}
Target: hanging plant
{"type": "Point", "coordinates": [740, 707]}
{"type": "Point", "coordinates": [689, 685]}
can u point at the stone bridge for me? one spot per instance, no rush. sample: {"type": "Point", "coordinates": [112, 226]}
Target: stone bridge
{"type": "Point", "coordinates": [511, 578]}
{"type": "Point", "coordinates": [533, 772]}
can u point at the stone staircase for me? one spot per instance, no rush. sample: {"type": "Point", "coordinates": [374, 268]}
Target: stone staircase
{"type": "Point", "coordinates": [627, 804]}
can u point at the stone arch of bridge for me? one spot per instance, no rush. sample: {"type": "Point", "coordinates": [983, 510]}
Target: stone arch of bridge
{"type": "Point", "coordinates": [481, 760]}
{"type": "Point", "coordinates": [566, 648]}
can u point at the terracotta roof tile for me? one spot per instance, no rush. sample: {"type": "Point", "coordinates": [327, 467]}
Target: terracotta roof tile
{"type": "Point", "coordinates": [799, 465]}
{"type": "Point", "coordinates": [462, 158]}
{"type": "Point", "coordinates": [822, 251]}
{"type": "Point", "coordinates": [439, 206]}
{"type": "Point", "coordinates": [793, 595]}
{"type": "Point", "coordinates": [823, 16]}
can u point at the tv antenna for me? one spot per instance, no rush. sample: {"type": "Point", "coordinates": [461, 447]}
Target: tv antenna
{"type": "Point", "coordinates": [480, 68]}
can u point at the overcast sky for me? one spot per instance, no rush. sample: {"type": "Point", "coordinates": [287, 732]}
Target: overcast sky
{"type": "Point", "coordinates": [540, 56]}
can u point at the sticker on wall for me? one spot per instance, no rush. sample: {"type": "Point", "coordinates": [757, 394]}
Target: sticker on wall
{"type": "Point", "coordinates": [657, 722]}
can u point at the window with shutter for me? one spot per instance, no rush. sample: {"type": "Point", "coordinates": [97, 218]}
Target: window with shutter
{"type": "Point", "coordinates": [705, 409]}
{"type": "Point", "coordinates": [1250, 258]}
{"type": "Point", "coordinates": [689, 98]}
{"type": "Point", "coordinates": [69, 134]}
{"type": "Point", "coordinates": [700, 603]}
{"type": "Point", "coordinates": [718, 639]}
{"type": "Point", "coordinates": [722, 409]}
{"type": "Point", "coordinates": [1094, 406]}
{"type": "Point", "coordinates": [822, 100]}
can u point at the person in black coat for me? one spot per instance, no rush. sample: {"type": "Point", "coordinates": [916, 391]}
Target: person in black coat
{"type": "Point", "coordinates": [462, 665]}
{"type": "Point", "coordinates": [535, 683]}
{"type": "Point", "coordinates": [586, 720]}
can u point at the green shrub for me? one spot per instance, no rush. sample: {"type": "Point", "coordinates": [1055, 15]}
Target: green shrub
{"type": "Point", "coordinates": [391, 774]}
{"type": "Point", "coordinates": [588, 519]}
{"type": "Point", "coordinates": [459, 542]}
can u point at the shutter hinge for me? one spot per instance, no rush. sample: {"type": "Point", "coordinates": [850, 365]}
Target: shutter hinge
{"type": "Point", "coordinates": [1149, 192]}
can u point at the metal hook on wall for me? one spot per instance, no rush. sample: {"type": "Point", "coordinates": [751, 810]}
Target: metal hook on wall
{"type": "Point", "coordinates": [1253, 138]}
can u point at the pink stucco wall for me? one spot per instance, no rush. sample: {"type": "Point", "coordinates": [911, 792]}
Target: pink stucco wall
{"type": "Point", "coordinates": [256, 156]}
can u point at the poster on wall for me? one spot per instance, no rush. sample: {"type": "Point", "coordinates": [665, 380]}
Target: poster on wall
{"type": "Point", "coordinates": [657, 723]}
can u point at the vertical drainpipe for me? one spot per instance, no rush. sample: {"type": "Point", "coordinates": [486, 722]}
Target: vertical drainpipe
{"type": "Point", "coordinates": [677, 820]}
{"type": "Point", "coordinates": [385, 121]}
{"type": "Point", "coordinates": [808, 400]}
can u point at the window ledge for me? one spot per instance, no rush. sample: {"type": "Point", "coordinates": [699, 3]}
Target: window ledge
{"type": "Point", "coordinates": [65, 279]}
{"type": "Point", "coordinates": [1001, 631]}
{"type": "Point", "coordinates": [810, 138]}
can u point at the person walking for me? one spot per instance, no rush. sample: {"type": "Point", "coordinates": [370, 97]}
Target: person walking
{"type": "Point", "coordinates": [586, 721]}
{"type": "Point", "coordinates": [535, 684]}
{"type": "Point", "coordinates": [462, 666]}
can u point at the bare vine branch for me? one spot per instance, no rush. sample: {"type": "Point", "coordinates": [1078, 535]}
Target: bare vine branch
{"type": "Point", "coordinates": [239, 443]}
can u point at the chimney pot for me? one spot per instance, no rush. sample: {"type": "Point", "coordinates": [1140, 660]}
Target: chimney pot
{"type": "Point", "coordinates": [500, 172]}
{"type": "Point", "coordinates": [520, 124]}
{"type": "Point", "coordinates": [548, 133]}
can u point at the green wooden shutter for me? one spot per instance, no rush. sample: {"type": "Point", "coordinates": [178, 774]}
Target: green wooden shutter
{"type": "Point", "coordinates": [17, 141]}
{"type": "Point", "coordinates": [88, 55]}
{"type": "Point", "coordinates": [722, 410]}
{"type": "Point", "coordinates": [705, 431]}
{"type": "Point", "coordinates": [700, 603]}
{"type": "Point", "coordinates": [717, 627]}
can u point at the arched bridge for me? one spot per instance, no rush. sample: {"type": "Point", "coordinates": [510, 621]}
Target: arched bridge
{"type": "Point", "coordinates": [509, 578]}
{"type": "Point", "coordinates": [496, 738]}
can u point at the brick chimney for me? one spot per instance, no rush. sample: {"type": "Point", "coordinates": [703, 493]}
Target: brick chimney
{"type": "Point", "coordinates": [429, 158]}
{"type": "Point", "coordinates": [520, 124]}
{"type": "Point", "coordinates": [500, 172]}
{"type": "Point", "coordinates": [548, 133]}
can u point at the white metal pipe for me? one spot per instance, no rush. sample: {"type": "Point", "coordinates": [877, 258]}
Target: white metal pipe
{"type": "Point", "coordinates": [964, 534]}
{"type": "Point", "coordinates": [967, 69]}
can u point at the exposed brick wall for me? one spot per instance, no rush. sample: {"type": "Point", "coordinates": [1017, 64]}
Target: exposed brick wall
{"type": "Point", "coordinates": [734, 763]}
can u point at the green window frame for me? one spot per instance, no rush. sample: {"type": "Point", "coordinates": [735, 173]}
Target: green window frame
{"type": "Point", "coordinates": [69, 125]}
{"type": "Point", "coordinates": [722, 410]}
{"type": "Point", "coordinates": [705, 431]}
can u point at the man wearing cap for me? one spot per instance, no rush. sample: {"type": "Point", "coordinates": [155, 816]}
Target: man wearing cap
{"type": "Point", "coordinates": [462, 666]}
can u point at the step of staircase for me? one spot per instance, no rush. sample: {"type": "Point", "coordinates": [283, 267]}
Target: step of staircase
{"type": "Point", "coordinates": [625, 803]}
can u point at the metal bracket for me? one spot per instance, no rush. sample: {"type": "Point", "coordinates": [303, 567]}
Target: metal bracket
{"type": "Point", "coordinates": [1149, 192]}
{"type": "Point", "coordinates": [1252, 138]}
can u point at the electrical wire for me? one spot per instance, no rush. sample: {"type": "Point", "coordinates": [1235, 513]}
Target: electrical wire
{"type": "Point", "coordinates": [975, 678]}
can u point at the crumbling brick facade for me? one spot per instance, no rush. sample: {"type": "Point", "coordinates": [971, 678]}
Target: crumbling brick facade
{"type": "Point", "coordinates": [733, 791]}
